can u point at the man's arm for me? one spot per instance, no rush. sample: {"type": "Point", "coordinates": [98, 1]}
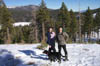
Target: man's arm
{"type": "Point", "coordinates": [56, 38]}
{"type": "Point", "coordinates": [66, 36]}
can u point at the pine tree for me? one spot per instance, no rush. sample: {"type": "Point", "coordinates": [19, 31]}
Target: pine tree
{"type": "Point", "coordinates": [97, 22]}
{"type": "Point", "coordinates": [35, 27]}
{"type": "Point", "coordinates": [19, 37]}
{"type": "Point", "coordinates": [64, 17]}
{"type": "Point", "coordinates": [1, 11]}
{"type": "Point", "coordinates": [88, 22]}
{"type": "Point", "coordinates": [34, 30]}
{"type": "Point", "coordinates": [7, 23]}
{"type": "Point", "coordinates": [73, 25]}
{"type": "Point", "coordinates": [26, 33]}
{"type": "Point", "coordinates": [42, 18]}
{"type": "Point", "coordinates": [0, 15]}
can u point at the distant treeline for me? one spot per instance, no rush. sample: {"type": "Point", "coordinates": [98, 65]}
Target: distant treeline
{"type": "Point", "coordinates": [79, 26]}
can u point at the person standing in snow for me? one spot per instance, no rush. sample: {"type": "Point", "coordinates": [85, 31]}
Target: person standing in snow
{"type": "Point", "coordinates": [51, 40]}
{"type": "Point", "coordinates": [62, 38]}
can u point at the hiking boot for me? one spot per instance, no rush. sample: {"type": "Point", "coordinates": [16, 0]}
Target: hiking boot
{"type": "Point", "coordinates": [66, 58]}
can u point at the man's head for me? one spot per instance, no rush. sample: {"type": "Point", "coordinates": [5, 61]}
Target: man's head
{"type": "Point", "coordinates": [60, 29]}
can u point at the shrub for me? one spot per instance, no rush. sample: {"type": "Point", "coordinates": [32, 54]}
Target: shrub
{"type": "Point", "coordinates": [43, 45]}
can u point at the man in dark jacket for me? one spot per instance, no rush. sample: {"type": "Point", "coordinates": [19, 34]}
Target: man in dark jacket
{"type": "Point", "coordinates": [62, 38]}
{"type": "Point", "coordinates": [51, 40]}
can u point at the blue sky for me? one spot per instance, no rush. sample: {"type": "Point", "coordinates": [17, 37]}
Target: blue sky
{"type": "Point", "coordinates": [55, 4]}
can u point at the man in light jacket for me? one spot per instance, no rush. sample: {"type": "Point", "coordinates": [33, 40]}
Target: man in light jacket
{"type": "Point", "coordinates": [62, 38]}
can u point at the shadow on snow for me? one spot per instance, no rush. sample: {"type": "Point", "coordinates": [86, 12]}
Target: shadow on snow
{"type": "Point", "coordinates": [33, 53]}
{"type": "Point", "coordinates": [7, 59]}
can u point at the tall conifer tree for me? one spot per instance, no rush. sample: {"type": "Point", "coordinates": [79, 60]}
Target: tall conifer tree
{"type": "Point", "coordinates": [97, 22]}
{"type": "Point", "coordinates": [73, 25]}
{"type": "Point", "coordinates": [64, 17]}
{"type": "Point", "coordinates": [42, 18]}
{"type": "Point", "coordinates": [6, 23]}
{"type": "Point", "coordinates": [88, 22]}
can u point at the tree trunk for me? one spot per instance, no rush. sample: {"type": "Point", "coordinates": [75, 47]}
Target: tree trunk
{"type": "Point", "coordinates": [89, 37]}
{"type": "Point", "coordinates": [80, 35]}
{"type": "Point", "coordinates": [84, 37]}
{"type": "Point", "coordinates": [36, 29]}
{"type": "Point", "coordinates": [8, 41]}
{"type": "Point", "coordinates": [97, 35]}
{"type": "Point", "coordinates": [43, 32]}
{"type": "Point", "coordinates": [22, 41]}
{"type": "Point", "coordinates": [36, 34]}
{"type": "Point", "coordinates": [92, 33]}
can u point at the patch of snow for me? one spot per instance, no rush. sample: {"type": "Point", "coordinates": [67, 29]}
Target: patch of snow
{"type": "Point", "coordinates": [29, 55]}
{"type": "Point", "coordinates": [11, 6]}
{"type": "Point", "coordinates": [21, 23]}
{"type": "Point", "coordinates": [94, 15]}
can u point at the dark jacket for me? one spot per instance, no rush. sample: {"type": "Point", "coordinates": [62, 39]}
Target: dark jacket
{"type": "Point", "coordinates": [62, 38]}
{"type": "Point", "coordinates": [50, 41]}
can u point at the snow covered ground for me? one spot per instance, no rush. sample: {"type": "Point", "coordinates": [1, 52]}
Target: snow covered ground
{"type": "Point", "coordinates": [21, 24]}
{"type": "Point", "coordinates": [29, 55]}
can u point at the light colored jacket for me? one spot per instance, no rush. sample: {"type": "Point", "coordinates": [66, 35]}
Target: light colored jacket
{"type": "Point", "coordinates": [62, 38]}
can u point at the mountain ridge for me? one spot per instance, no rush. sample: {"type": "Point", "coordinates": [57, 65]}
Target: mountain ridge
{"type": "Point", "coordinates": [24, 13]}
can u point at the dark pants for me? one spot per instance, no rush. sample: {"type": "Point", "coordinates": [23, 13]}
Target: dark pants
{"type": "Point", "coordinates": [52, 49]}
{"type": "Point", "coordinates": [64, 48]}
